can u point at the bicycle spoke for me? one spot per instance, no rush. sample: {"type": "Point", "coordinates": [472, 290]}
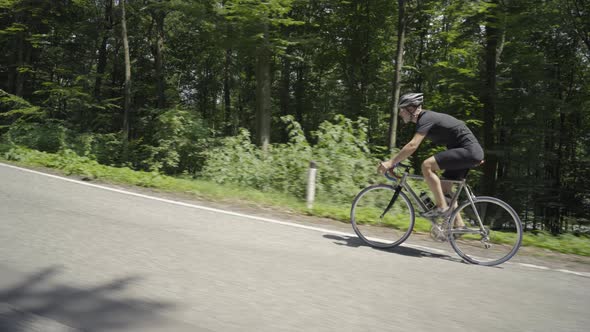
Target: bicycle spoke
{"type": "Point", "coordinates": [379, 220]}
{"type": "Point", "coordinates": [488, 234]}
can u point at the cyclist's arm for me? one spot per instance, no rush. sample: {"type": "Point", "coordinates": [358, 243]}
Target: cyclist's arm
{"type": "Point", "coordinates": [408, 149]}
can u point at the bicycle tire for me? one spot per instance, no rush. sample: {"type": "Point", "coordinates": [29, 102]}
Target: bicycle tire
{"type": "Point", "coordinates": [387, 232]}
{"type": "Point", "coordinates": [500, 221]}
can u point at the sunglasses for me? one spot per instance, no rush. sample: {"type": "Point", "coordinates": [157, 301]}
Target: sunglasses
{"type": "Point", "coordinates": [407, 109]}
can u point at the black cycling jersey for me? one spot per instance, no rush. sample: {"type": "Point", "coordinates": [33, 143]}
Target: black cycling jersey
{"type": "Point", "coordinates": [443, 129]}
{"type": "Point", "coordinates": [464, 151]}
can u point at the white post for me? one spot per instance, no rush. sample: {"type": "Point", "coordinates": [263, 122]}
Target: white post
{"type": "Point", "coordinates": [311, 174]}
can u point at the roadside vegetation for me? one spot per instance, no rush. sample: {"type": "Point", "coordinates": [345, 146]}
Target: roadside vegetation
{"type": "Point", "coordinates": [69, 163]}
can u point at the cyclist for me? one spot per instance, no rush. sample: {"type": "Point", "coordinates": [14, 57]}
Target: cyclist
{"type": "Point", "coordinates": [463, 150]}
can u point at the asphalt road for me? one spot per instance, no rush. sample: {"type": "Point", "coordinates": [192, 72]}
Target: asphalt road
{"type": "Point", "coordinates": [80, 258]}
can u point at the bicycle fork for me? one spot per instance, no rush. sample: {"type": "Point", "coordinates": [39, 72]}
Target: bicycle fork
{"type": "Point", "coordinates": [392, 201]}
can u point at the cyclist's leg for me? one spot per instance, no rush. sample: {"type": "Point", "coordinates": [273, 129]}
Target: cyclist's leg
{"type": "Point", "coordinates": [429, 167]}
{"type": "Point", "coordinates": [456, 163]}
{"type": "Point", "coordinates": [452, 161]}
{"type": "Point", "coordinates": [448, 189]}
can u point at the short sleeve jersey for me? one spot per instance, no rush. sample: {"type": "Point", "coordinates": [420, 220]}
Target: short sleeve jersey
{"type": "Point", "coordinates": [443, 129]}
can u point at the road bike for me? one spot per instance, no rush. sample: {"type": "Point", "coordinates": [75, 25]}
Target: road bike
{"type": "Point", "coordinates": [481, 229]}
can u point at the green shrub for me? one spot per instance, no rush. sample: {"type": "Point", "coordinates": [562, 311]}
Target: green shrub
{"type": "Point", "coordinates": [48, 137]}
{"type": "Point", "coordinates": [107, 148]}
{"type": "Point", "coordinates": [282, 168]}
{"type": "Point", "coordinates": [82, 144]}
{"type": "Point", "coordinates": [5, 147]}
{"type": "Point", "coordinates": [14, 108]}
{"type": "Point", "coordinates": [344, 162]}
{"type": "Point", "coordinates": [175, 144]}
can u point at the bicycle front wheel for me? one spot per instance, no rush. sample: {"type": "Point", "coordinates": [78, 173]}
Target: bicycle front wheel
{"type": "Point", "coordinates": [487, 232]}
{"type": "Point", "coordinates": [376, 226]}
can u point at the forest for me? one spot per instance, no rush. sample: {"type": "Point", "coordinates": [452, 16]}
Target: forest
{"type": "Point", "coordinates": [249, 92]}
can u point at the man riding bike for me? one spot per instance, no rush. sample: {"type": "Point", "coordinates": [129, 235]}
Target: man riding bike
{"type": "Point", "coordinates": [463, 150]}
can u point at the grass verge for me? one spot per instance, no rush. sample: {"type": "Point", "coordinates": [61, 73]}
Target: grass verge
{"type": "Point", "coordinates": [71, 164]}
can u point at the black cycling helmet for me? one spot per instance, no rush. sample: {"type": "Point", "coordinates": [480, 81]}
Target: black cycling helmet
{"type": "Point", "coordinates": [413, 99]}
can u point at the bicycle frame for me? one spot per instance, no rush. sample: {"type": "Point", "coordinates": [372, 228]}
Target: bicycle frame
{"type": "Point", "coordinates": [403, 183]}
{"type": "Point", "coordinates": [463, 186]}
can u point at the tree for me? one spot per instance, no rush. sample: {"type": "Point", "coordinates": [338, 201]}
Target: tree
{"type": "Point", "coordinates": [158, 10]}
{"type": "Point", "coordinates": [127, 89]}
{"type": "Point", "coordinates": [577, 15]}
{"type": "Point", "coordinates": [492, 44]}
{"type": "Point", "coordinates": [106, 27]}
{"type": "Point", "coordinates": [399, 58]}
{"type": "Point", "coordinates": [258, 20]}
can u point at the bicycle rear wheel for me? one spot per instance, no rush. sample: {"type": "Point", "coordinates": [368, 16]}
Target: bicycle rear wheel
{"type": "Point", "coordinates": [499, 239]}
{"type": "Point", "coordinates": [375, 228]}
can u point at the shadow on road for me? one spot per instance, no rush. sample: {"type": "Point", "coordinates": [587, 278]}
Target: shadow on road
{"type": "Point", "coordinates": [36, 302]}
{"type": "Point", "coordinates": [351, 241]}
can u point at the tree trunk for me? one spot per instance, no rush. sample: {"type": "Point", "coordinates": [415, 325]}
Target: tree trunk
{"type": "Point", "coordinates": [228, 117]}
{"type": "Point", "coordinates": [116, 70]}
{"type": "Point", "coordinates": [401, 36]}
{"type": "Point", "coordinates": [285, 93]}
{"type": "Point", "coordinates": [300, 93]}
{"type": "Point", "coordinates": [102, 51]}
{"type": "Point", "coordinates": [489, 104]}
{"type": "Point", "coordinates": [11, 75]}
{"type": "Point", "coordinates": [22, 54]}
{"type": "Point", "coordinates": [285, 86]}
{"type": "Point", "coordinates": [101, 66]}
{"type": "Point", "coordinates": [14, 82]}
{"type": "Point", "coordinates": [578, 15]}
{"type": "Point", "coordinates": [127, 106]}
{"type": "Point", "coordinates": [423, 41]}
{"type": "Point", "coordinates": [263, 101]}
{"type": "Point", "coordinates": [159, 18]}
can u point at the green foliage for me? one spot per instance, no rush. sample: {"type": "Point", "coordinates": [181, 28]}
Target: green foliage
{"type": "Point", "coordinates": [5, 147]}
{"type": "Point", "coordinates": [341, 153]}
{"type": "Point", "coordinates": [106, 148]}
{"type": "Point", "coordinates": [343, 157]}
{"type": "Point", "coordinates": [179, 139]}
{"type": "Point", "coordinates": [53, 136]}
{"type": "Point", "coordinates": [14, 108]}
{"type": "Point", "coordinates": [49, 136]}
{"type": "Point", "coordinates": [282, 168]}
{"type": "Point", "coordinates": [71, 97]}
{"type": "Point", "coordinates": [69, 163]}
{"type": "Point", "coordinates": [567, 243]}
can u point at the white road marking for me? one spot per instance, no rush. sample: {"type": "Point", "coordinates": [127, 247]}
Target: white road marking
{"type": "Point", "coordinates": [274, 221]}
{"type": "Point", "coordinates": [182, 203]}
{"type": "Point", "coordinates": [582, 274]}
{"type": "Point", "coordinates": [534, 266]}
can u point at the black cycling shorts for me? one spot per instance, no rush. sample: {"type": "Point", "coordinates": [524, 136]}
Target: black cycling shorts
{"type": "Point", "coordinates": [458, 161]}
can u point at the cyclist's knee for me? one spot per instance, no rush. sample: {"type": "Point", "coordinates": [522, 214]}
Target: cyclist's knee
{"type": "Point", "coordinates": [429, 165]}
{"type": "Point", "coordinates": [425, 168]}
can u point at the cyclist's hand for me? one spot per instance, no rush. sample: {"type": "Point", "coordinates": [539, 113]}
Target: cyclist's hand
{"type": "Point", "coordinates": [384, 166]}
